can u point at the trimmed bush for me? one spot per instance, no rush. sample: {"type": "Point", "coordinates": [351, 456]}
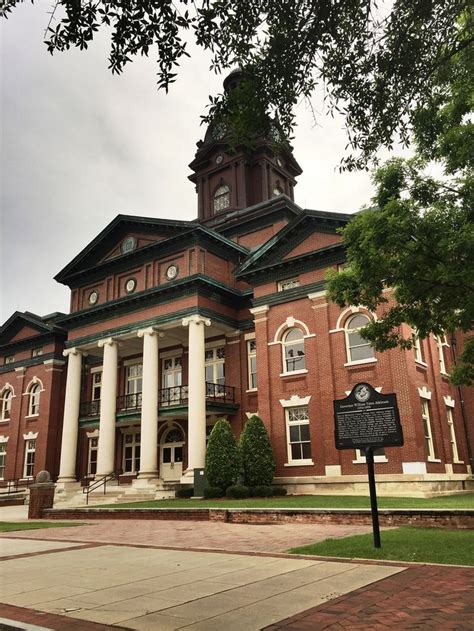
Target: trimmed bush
{"type": "Point", "coordinates": [237, 491]}
{"type": "Point", "coordinates": [279, 491]}
{"type": "Point", "coordinates": [263, 491]}
{"type": "Point", "coordinates": [184, 493]}
{"type": "Point", "coordinates": [222, 456]}
{"type": "Point", "coordinates": [212, 492]}
{"type": "Point", "coordinates": [258, 462]}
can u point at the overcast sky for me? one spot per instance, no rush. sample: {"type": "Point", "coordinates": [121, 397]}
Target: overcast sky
{"type": "Point", "coordinates": [79, 146]}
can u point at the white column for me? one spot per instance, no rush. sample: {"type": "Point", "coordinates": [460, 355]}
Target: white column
{"type": "Point", "coordinates": [67, 467]}
{"type": "Point", "coordinates": [149, 420]}
{"type": "Point", "coordinates": [196, 393]}
{"type": "Point", "coordinates": [108, 406]}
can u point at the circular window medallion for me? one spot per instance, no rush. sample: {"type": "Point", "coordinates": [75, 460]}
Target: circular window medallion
{"type": "Point", "coordinates": [362, 393]}
{"type": "Point", "coordinates": [130, 285]}
{"type": "Point", "coordinates": [171, 272]}
{"type": "Point", "coordinates": [128, 245]}
{"type": "Point", "coordinates": [219, 158]}
{"type": "Point", "coordinates": [93, 297]}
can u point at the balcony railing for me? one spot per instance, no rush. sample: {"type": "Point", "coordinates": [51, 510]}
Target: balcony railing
{"type": "Point", "coordinates": [178, 395]}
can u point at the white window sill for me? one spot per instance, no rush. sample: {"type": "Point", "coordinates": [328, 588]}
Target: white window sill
{"type": "Point", "coordinates": [300, 463]}
{"type": "Point", "coordinates": [4, 420]}
{"type": "Point", "coordinates": [361, 362]}
{"type": "Point", "coordinates": [433, 460]}
{"type": "Point", "coordinates": [251, 390]}
{"type": "Point", "coordinates": [418, 362]}
{"type": "Point", "coordinates": [32, 416]}
{"type": "Point", "coordinates": [364, 461]}
{"type": "Point", "coordinates": [303, 371]}
{"type": "Point", "coordinates": [443, 374]}
{"type": "Point", "coordinates": [458, 461]}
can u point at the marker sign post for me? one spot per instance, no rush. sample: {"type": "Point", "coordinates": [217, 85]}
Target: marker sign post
{"type": "Point", "coordinates": [368, 420]}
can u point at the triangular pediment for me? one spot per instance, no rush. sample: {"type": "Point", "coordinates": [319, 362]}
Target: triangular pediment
{"type": "Point", "coordinates": [21, 326]}
{"type": "Point", "coordinates": [311, 233]}
{"type": "Point", "coordinates": [137, 239]}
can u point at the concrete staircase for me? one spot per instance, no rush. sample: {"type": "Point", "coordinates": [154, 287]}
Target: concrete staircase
{"type": "Point", "coordinates": [115, 494]}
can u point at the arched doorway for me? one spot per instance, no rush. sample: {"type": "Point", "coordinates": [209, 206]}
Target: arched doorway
{"type": "Point", "coordinates": [171, 454]}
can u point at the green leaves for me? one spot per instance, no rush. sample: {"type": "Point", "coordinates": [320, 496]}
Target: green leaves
{"type": "Point", "coordinates": [258, 462]}
{"type": "Point", "coordinates": [222, 456]}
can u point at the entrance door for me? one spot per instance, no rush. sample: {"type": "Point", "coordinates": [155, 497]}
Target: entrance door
{"type": "Point", "coordinates": [171, 454]}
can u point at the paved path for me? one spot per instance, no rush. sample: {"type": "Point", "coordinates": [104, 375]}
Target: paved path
{"type": "Point", "coordinates": [167, 590]}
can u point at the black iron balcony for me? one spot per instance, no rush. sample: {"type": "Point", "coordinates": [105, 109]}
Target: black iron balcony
{"type": "Point", "coordinates": [178, 395]}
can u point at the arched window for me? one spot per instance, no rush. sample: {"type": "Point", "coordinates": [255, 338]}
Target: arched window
{"type": "Point", "coordinates": [293, 350]}
{"type": "Point", "coordinates": [222, 198]}
{"type": "Point", "coordinates": [6, 404]}
{"type": "Point", "coordinates": [34, 399]}
{"type": "Point", "coordinates": [358, 348]}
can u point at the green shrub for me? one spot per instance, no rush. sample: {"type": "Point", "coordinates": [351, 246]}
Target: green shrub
{"type": "Point", "coordinates": [263, 491]}
{"type": "Point", "coordinates": [185, 492]}
{"type": "Point", "coordinates": [222, 456]}
{"type": "Point", "coordinates": [211, 492]}
{"type": "Point", "coordinates": [258, 462]}
{"type": "Point", "coordinates": [237, 491]}
{"type": "Point", "coordinates": [279, 491]}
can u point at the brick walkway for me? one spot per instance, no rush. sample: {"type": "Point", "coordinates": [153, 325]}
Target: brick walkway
{"type": "Point", "coordinates": [430, 598]}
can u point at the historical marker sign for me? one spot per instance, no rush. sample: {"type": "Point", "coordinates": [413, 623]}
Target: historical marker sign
{"type": "Point", "coordinates": [367, 419]}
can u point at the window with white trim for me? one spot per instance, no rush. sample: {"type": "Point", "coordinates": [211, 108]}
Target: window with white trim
{"type": "Point", "coordinates": [298, 436]}
{"type": "Point", "coordinates": [37, 352]}
{"type": "Point", "coordinates": [93, 451]}
{"type": "Point", "coordinates": [215, 365]}
{"type": "Point", "coordinates": [34, 394]}
{"type": "Point", "coordinates": [9, 359]}
{"type": "Point", "coordinates": [417, 347]}
{"type": "Point", "coordinates": [379, 455]}
{"type": "Point", "coordinates": [441, 343]}
{"type": "Point", "coordinates": [96, 385]}
{"type": "Point", "coordinates": [3, 457]}
{"type": "Point", "coordinates": [221, 198]}
{"type": "Point", "coordinates": [358, 348]}
{"type": "Point", "coordinates": [452, 434]}
{"type": "Point", "coordinates": [293, 351]}
{"type": "Point", "coordinates": [252, 363]}
{"type": "Point", "coordinates": [30, 453]}
{"type": "Point", "coordinates": [171, 379]}
{"type": "Point", "coordinates": [289, 283]}
{"type": "Point", "coordinates": [131, 452]}
{"type": "Point", "coordinates": [6, 404]}
{"type": "Point", "coordinates": [133, 377]}
{"type": "Point", "coordinates": [425, 415]}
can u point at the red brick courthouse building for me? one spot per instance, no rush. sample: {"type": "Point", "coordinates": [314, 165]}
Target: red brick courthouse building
{"type": "Point", "coordinates": [175, 324]}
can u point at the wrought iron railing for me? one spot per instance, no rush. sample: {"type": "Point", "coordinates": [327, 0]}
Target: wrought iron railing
{"type": "Point", "coordinates": [177, 395]}
{"type": "Point", "coordinates": [129, 402]}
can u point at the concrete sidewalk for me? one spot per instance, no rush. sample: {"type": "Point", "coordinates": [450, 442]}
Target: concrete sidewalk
{"type": "Point", "coordinates": [146, 588]}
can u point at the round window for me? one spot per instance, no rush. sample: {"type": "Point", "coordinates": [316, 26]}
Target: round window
{"type": "Point", "coordinates": [93, 297]}
{"type": "Point", "coordinates": [171, 272]}
{"type": "Point", "coordinates": [128, 245]}
{"type": "Point", "coordinates": [130, 285]}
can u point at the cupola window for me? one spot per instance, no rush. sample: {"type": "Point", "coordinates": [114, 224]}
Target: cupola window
{"type": "Point", "coordinates": [222, 198]}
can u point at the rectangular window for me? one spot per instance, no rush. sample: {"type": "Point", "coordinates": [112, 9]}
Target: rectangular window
{"type": "Point", "coordinates": [289, 283]}
{"type": "Point", "coordinates": [134, 378]}
{"type": "Point", "coordinates": [417, 347]}
{"type": "Point", "coordinates": [252, 363]}
{"type": "Point", "coordinates": [9, 359]}
{"type": "Point", "coordinates": [30, 451]}
{"type": "Point", "coordinates": [379, 455]}
{"type": "Point", "coordinates": [37, 352]}
{"type": "Point", "coordinates": [452, 434]}
{"type": "Point", "coordinates": [215, 370]}
{"type": "Point", "coordinates": [172, 380]}
{"type": "Point", "coordinates": [92, 459]}
{"type": "Point", "coordinates": [425, 415]}
{"type": "Point", "coordinates": [131, 453]}
{"type": "Point", "coordinates": [441, 343]}
{"type": "Point", "coordinates": [3, 456]}
{"type": "Point", "coordinates": [299, 442]}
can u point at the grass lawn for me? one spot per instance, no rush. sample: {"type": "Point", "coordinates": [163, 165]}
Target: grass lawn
{"type": "Point", "coordinates": [10, 526]}
{"type": "Point", "coordinates": [426, 545]}
{"type": "Point", "coordinates": [309, 501]}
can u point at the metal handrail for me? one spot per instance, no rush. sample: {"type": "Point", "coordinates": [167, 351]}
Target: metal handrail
{"type": "Point", "coordinates": [87, 490]}
{"type": "Point", "coordinates": [15, 485]}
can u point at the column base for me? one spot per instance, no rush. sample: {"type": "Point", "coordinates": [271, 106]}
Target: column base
{"type": "Point", "coordinates": [67, 484]}
{"type": "Point", "coordinates": [187, 477]}
{"type": "Point", "coordinates": [146, 482]}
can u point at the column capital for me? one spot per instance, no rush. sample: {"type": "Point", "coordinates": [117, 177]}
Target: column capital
{"type": "Point", "coordinates": [74, 351]}
{"type": "Point", "coordinates": [151, 330]}
{"type": "Point", "coordinates": [196, 319]}
{"type": "Point", "coordinates": [108, 341]}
